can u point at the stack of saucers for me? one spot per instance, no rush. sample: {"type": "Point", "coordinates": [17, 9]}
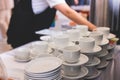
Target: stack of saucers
{"type": "Point", "coordinates": [44, 68]}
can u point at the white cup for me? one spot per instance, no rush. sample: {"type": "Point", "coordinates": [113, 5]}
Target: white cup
{"type": "Point", "coordinates": [104, 30]}
{"type": "Point", "coordinates": [61, 40]}
{"type": "Point", "coordinates": [83, 29]}
{"type": "Point", "coordinates": [41, 46]}
{"type": "Point", "coordinates": [22, 54]}
{"type": "Point", "coordinates": [71, 54]}
{"type": "Point", "coordinates": [71, 70]}
{"type": "Point", "coordinates": [87, 44]}
{"type": "Point", "coordinates": [98, 36]}
{"type": "Point", "coordinates": [73, 34]}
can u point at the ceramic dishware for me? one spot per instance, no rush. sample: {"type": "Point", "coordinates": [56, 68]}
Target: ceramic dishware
{"type": "Point", "coordinates": [71, 54]}
{"type": "Point", "coordinates": [98, 36]}
{"type": "Point", "coordinates": [104, 30]}
{"type": "Point", "coordinates": [87, 44]}
{"type": "Point", "coordinates": [22, 54]}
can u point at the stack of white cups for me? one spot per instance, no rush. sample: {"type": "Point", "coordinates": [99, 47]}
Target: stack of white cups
{"type": "Point", "coordinates": [73, 61]}
{"type": "Point", "coordinates": [104, 44]}
{"type": "Point", "coordinates": [88, 47]}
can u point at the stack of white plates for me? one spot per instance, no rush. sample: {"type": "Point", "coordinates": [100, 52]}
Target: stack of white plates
{"type": "Point", "coordinates": [44, 68]}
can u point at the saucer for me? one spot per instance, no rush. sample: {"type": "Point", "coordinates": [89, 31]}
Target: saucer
{"type": "Point", "coordinates": [48, 32]}
{"type": "Point", "coordinates": [102, 65]}
{"type": "Point", "coordinates": [104, 42]}
{"type": "Point", "coordinates": [52, 45]}
{"type": "Point", "coordinates": [86, 34]}
{"type": "Point", "coordinates": [109, 57]}
{"type": "Point", "coordinates": [102, 54]}
{"type": "Point", "coordinates": [82, 60]}
{"type": "Point", "coordinates": [44, 55]}
{"type": "Point", "coordinates": [111, 46]}
{"type": "Point", "coordinates": [93, 76]}
{"type": "Point", "coordinates": [110, 36]}
{"type": "Point", "coordinates": [20, 60]}
{"type": "Point", "coordinates": [95, 50]}
{"type": "Point", "coordinates": [33, 54]}
{"type": "Point", "coordinates": [94, 62]}
{"type": "Point", "coordinates": [83, 73]}
{"type": "Point", "coordinates": [45, 38]}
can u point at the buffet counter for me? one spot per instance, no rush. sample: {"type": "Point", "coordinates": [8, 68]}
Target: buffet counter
{"type": "Point", "coordinates": [16, 69]}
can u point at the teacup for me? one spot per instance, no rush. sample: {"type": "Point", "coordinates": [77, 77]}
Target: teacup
{"type": "Point", "coordinates": [86, 44]}
{"type": "Point", "coordinates": [74, 34]}
{"type": "Point", "coordinates": [61, 40]}
{"type": "Point", "coordinates": [71, 70]}
{"type": "Point", "coordinates": [71, 54]}
{"type": "Point", "coordinates": [104, 30]}
{"type": "Point", "coordinates": [83, 29]}
{"type": "Point", "coordinates": [98, 36]}
{"type": "Point", "coordinates": [41, 46]}
{"type": "Point", "coordinates": [22, 54]}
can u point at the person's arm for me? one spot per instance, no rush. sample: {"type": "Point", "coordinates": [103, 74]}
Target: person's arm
{"type": "Point", "coordinates": [73, 15]}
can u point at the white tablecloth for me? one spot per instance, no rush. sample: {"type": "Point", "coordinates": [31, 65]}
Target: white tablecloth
{"type": "Point", "coordinates": [16, 69]}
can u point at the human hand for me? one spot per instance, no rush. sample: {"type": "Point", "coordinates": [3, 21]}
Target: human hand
{"type": "Point", "coordinates": [92, 27]}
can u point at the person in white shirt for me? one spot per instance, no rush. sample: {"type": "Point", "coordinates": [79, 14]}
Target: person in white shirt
{"type": "Point", "coordinates": [32, 15]}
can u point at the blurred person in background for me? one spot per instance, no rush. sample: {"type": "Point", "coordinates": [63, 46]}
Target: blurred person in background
{"type": "Point", "coordinates": [33, 15]}
{"type": "Point", "coordinates": [6, 7]}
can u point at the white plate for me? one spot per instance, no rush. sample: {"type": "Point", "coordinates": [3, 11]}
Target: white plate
{"type": "Point", "coordinates": [109, 57]}
{"type": "Point", "coordinates": [110, 36]}
{"type": "Point", "coordinates": [44, 75]}
{"type": "Point", "coordinates": [48, 32]}
{"type": "Point", "coordinates": [104, 42]}
{"type": "Point", "coordinates": [102, 65]}
{"type": "Point", "coordinates": [43, 64]}
{"type": "Point", "coordinates": [83, 73]}
{"type": "Point", "coordinates": [95, 50]}
{"type": "Point", "coordinates": [82, 60]}
{"type": "Point", "coordinates": [86, 34]}
{"type": "Point", "coordinates": [45, 38]}
{"type": "Point", "coordinates": [111, 46]}
{"type": "Point", "coordinates": [38, 76]}
{"type": "Point", "coordinates": [52, 45]}
{"type": "Point", "coordinates": [93, 76]}
{"type": "Point", "coordinates": [94, 62]}
{"type": "Point", "coordinates": [102, 54]}
{"type": "Point", "coordinates": [20, 60]}
{"type": "Point", "coordinates": [35, 54]}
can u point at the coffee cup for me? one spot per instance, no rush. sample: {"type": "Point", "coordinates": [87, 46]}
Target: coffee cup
{"type": "Point", "coordinates": [86, 44]}
{"type": "Point", "coordinates": [71, 54]}
{"type": "Point", "coordinates": [104, 30]}
{"type": "Point", "coordinates": [98, 36]}
{"type": "Point", "coordinates": [41, 46]}
{"type": "Point", "coordinates": [22, 54]}
{"type": "Point", "coordinates": [74, 34]}
{"type": "Point", "coordinates": [61, 40]}
{"type": "Point", "coordinates": [83, 29]}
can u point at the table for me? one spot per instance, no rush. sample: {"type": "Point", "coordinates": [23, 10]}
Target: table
{"type": "Point", "coordinates": [16, 69]}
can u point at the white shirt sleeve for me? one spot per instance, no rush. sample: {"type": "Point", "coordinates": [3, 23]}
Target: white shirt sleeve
{"type": "Point", "coordinates": [53, 3]}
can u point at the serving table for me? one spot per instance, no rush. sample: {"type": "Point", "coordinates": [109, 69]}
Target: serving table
{"type": "Point", "coordinates": [16, 69]}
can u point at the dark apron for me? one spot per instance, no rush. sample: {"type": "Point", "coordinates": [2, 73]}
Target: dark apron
{"type": "Point", "coordinates": [24, 23]}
